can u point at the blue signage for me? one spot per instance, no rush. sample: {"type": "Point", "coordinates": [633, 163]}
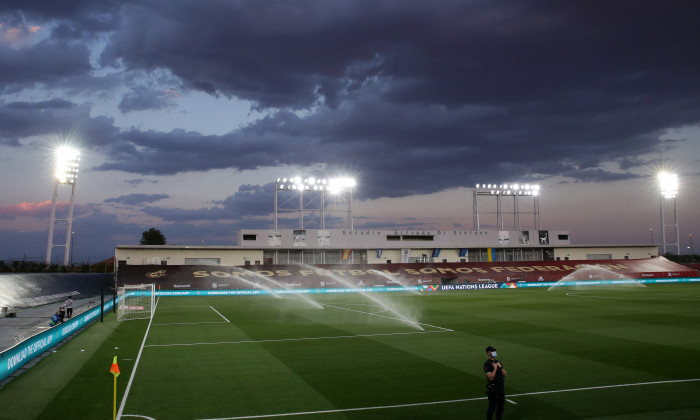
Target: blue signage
{"type": "Point", "coordinates": [15, 357]}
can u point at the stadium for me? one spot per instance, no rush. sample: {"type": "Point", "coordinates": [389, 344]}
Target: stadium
{"type": "Point", "coordinates": [317, 323]}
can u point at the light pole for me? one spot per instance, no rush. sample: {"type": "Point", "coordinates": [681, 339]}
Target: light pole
{"type": "Point", "coordinates": [516, 190]}
{"type": "Point", "coordinates": [668, 184]}
{"type": "Point", "coordinates": [72, 242]}
{"type": "Point", "coordinates": [67, 159]}
{"type": "Point", "coordinates": [690, 235]}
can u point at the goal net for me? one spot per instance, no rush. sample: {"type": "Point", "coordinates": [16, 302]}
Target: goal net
{"type": "Point", "coordinates": [136, 301]}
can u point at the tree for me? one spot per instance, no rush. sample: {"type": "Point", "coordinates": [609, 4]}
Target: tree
{"type": "Point", "coordinates": [153, 236]}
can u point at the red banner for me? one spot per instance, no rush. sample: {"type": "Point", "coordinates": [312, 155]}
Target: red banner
{"type": "Point", "coordinates": [202, 277]}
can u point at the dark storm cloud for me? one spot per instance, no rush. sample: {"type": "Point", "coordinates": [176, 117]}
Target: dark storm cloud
{"type": "Point", "coordinates": [248, 201]}
{"type": "Point", "coordinates": [137, 199]}
{"type": "Point", "coordinates": [51, 104]}
{"type": "Point", "coordinates": [55, 118]}
{"type": "Point", "coordinates": [432, 147]}
{"type": "Point", "coordinates": [286, 53]}
{"type": "Point", "coordinates": [139, 181]}
{"type": "Point", "coordinates": [141, 99]}
{"type": "Point", "coordinates": [414, 96]}
{"type": "Point", "coordinates": [417, 94]}
{"type": "Point", "coordinates": [48, 61]}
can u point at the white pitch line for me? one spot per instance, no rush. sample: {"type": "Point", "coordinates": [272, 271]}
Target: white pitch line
{"type": "Point", "coordinates": [195, 323]}
{"type": "Point", "coordinates": [674, 381]}
{"type": "Point", "coordinates": [344, 410]}
{"type": "Point", "coordinates": [382, 407]}
{"type": "Point", "coordinates": [226, 321]}
{"type": "Point", "coordinates": [511, 401]}
{"type": "Point", "coordinates": [293, 339]}
{"type": "Point", "coordinates": [133, 371]}
{"type": "Point", "coordinates": [212, 308]}
{"type": "Point", "coordinates": [388, 317]}
{"type": "Point", "coordinates": [579, 294]}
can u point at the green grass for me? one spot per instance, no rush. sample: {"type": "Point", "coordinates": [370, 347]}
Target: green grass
{"type": "Point", "coordinates": [279, 356]}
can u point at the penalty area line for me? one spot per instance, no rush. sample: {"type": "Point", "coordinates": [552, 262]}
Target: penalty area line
{"type": "Point", "coordinates": [383, 407]}
{"type": "Point", "coordinates": [226, 321]}
{"type": "Point", "coordinates": [277, 340]}
{"type": "Point", "coordinates": [212, 308]}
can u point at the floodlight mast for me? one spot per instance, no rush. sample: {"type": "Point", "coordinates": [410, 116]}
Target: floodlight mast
{"type": "Point", "coordinates": [668, 184]}
{"type": "Point", "coordinates": [67, 159]}
{"type": "Point", "coordinates": [319, 186]}
{"type": "Point", "coordinates": [516, 190]}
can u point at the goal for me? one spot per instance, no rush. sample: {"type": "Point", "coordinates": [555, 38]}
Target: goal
{"type": "Point", "coordinates": [136, 301]}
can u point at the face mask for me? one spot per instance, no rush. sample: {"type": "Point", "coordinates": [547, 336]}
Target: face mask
{"type": "Point", "coordinates": [494, 354]}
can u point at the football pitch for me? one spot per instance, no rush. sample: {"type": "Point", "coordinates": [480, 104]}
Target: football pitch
{"type": "Point", "coordinates": [595, 353]}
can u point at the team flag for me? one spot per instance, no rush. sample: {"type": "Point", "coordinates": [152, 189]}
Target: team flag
{"type": "Point", "coordinates": [115, 368]}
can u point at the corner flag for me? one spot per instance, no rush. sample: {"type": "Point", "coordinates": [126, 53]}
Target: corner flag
{"type": "Point", "coordinates": [114, 370]}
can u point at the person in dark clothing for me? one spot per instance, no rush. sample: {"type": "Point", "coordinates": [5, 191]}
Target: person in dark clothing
{"type": "Point", "coordinates": [69, 307]}
{"type": "Point", "coordinates": [495, 384]}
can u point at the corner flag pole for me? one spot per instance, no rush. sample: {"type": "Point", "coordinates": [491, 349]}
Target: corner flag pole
{"type": "Point", "coordinates": [114, 370]}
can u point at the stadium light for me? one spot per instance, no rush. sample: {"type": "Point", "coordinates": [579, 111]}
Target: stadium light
{"type": "Point", "coordinates": [318, 185]}
{"type": "Point", "coordinates": [508, 189]}
{"type": "Point", "coordinates": [333, 185]}
{"type": "Point", "coordinates": [669, 184]}
{"type": "Point", "coordinates": [67, 159]}
{"type": "Point", "coordinates": [66, 172]}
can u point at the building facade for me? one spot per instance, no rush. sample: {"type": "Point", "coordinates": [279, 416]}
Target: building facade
{"type": "Point", "coordinates": [372, 246]}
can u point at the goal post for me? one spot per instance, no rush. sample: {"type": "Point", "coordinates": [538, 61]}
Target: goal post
{"type": "Point", "coordinates": [136, 301]}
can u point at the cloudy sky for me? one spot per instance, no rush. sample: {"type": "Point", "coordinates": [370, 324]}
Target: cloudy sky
{"type": "Point", "coordinates": [187, 111]}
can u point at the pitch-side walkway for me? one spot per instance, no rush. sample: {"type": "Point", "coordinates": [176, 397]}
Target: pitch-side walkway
{"type": "Point", "coordinates": [28, 322]}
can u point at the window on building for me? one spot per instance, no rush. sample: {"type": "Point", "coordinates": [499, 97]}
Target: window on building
{"type": "Point", "coordinates": [417, 237]}
{"type": "Point", "coordinates": [393, 237]}
{"type": "Point", "coordinates": [563, 237]}
{"type": "Point", "coordinates": [250, 237]}
{"type": "Point", "coordinates": [202, 261]}
{"type": "Point", "coordinates": [599, 256]}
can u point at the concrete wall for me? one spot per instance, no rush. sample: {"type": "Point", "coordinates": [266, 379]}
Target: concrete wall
{"type": "Point", "coordinates": [631, 252]}
{"type": "Point", "coordinates": [176, 255]}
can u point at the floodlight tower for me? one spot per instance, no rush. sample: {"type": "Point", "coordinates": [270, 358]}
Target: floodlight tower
{"type": "Point", "coordinates": [669, 189]}
{"type": "Point", "coordinates": [67, 159]}
{"type": "Point", "coordinates": [515, 190]}
{"type": "Point", "coordinates": [320, 187]}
